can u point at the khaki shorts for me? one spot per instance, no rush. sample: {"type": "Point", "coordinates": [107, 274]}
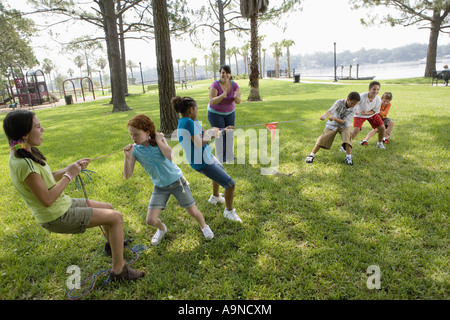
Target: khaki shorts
{"type": "Point", "coordinates": [327, 137]}
{"type": "Point", "coordinates": [75, 220]}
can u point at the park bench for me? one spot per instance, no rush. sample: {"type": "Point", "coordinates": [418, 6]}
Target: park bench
{"type": "Point", "coordinates": [440, 76]}
{"type": "Point", "coordinates": [152, 87]}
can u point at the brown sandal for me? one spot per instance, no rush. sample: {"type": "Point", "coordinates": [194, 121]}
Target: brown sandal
{"type": "Point", "coordinates": [126, 274]}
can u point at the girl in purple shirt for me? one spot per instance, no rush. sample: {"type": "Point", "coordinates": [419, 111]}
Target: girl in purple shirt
{"type": "Point", "coordinates": [223, 95]}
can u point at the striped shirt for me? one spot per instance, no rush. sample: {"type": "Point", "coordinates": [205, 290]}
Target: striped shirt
{"type": "Point", "coordinates": [340, 110]}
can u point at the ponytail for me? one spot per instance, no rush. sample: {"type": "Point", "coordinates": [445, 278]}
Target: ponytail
{"type": "Point", "coordinates": [16, 125]}
{"type": "Point", "coordinates": [34, 155]}
{"type": "Point", "coordinates": [182, 104]}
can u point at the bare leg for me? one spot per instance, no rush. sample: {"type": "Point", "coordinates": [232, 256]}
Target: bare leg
{"type": "Point", "coordinates": [153, 219]}
{"type": "Point", "coordinates": [316, 148]}
{"type": "Point", "coordinates": [389, 129]}
{"type": "Point", "coordinates": [370, 134]}
{"type": "Point", "coordinates": [197, 215]}
{"type": "Point", "coordinates": [381, 131]}
{"type": "Point", "coordinates": [348, 149]}
{"type": "Point", "coordinates": [215, 189]}
{"type": "Point", "coordinates": [112, 221]}
{"type": "Point", "coordinates": [229, 196]}
{"type": "Point", "coordinates": [355, 132]}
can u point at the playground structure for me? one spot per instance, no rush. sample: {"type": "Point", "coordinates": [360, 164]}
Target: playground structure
{"type": "Point", "coordinates": [68, 97]}
{"type": "Point", "coordinates": [30, 89]}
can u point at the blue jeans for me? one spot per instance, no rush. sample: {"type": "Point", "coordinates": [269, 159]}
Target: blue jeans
{"type": "Point", "coordinates": [224, 144]}
{"type": "Point", "coordinates": [216, 172]}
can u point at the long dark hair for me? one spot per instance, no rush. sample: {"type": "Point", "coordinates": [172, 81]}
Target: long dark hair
{"type": "Point", "coordinates": [227, 69]}
{"type": "Point", "coordinates": [18, 124]}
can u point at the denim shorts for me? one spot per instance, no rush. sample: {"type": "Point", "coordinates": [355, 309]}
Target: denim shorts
{"type": "Point", "coordinates": [180, 189]}
{"type": "Point", "coordinates": [216, 172]}
{"type": "Point", "coordinates": [75, 220]}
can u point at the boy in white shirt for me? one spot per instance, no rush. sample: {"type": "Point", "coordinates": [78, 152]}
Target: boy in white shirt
{"type": "Point", "coordinates": [369, 109]}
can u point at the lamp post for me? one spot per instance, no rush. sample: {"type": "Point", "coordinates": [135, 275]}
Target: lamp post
{"type": "Point", "coordinates": [335, 76]}
{"type": "Point", "coordinates": [101, 82]}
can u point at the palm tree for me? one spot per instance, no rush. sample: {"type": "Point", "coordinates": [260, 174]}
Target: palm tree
{"type": "Point", "coordinates": [70, 72]}
{"type": "Point", "coordinates": [194, 64]}
{"type": "Point", "coordinates": [48, 66]}
{"type": "Point", "coordinates": [252, 11]}
{"type": "Point", "coordinates": [184, 69]}
{"type": "Point", "coordinates": [277, 54]}
{"type": "Point", "coordinates": [244, 53]}
{"type": "Point", "coordinates": [286, 44]}
{"type": "Point", "coordinates": [264, 61]}
{"type": "Point", "coordinates": [178, 67]}
{"type": "Point", "coordinates": [260, 40]}
{"type": "Point", "coordinates": [206, 65]}
{"type": "Point", "coordinates": [79, 62]}
{"type": "Point", "coordinates": [229, 53]}
{"type": "Point", "coordinates": [214, 60]}
{"type": "Point", "coordinates": [101, 63]}
{"type": "Point", "coordinates": [236, 52]}
{"type": "Point", "coordinates": [131, 65]}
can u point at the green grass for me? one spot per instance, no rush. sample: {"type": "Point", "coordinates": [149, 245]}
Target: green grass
{"type": "Point", "coordinates": [311, 235]}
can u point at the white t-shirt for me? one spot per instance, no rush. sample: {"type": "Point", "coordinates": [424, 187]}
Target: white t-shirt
{"type": "Point", "coordinates": [366, 105]}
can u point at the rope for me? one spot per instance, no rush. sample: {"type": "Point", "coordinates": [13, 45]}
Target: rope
{"type": "Point", "coordinates": [244, 126]}
{"type": "Point", "coordinates": [105, 155]}
{"type": "Point", "coordinates": [261, 124]}
{"type": "Point", "coordinates": [135, 249]}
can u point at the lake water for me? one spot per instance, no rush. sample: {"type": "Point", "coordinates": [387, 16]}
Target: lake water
{"type": "Point", "coordinates": [397, 70]}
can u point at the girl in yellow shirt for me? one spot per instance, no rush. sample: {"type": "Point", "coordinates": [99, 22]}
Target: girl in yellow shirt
{"type": "Point", "coordinates": [43, 191]}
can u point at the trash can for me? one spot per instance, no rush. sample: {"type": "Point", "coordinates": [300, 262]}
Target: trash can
{"type": "Point", "coordinates": [68, 99]}
{"type": "Point", "coordinates": [296, 77]}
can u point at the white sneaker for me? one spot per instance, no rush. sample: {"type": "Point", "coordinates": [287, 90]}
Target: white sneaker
{"type": "Point", "coordinates": [159, 235]}
{"type": "Point", "coordinates": [207, 232]}
{"type": "Point", "coordinates": [214, 200]}
{"type": "Point", "coordinates": [342, 149]}
{"type": "Point", "coordinates": [231, 215]}
{"type": "Point", "coordinates": [380, 145]}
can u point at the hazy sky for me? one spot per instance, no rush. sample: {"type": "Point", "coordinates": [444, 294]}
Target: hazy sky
{"type": "Point", "coordinates": [314, 29]}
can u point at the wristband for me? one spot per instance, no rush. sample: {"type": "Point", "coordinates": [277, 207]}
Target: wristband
{"type": "Point", "coordinates": [68, 177]}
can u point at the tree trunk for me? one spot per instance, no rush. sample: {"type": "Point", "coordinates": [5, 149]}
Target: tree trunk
{"type": "Point", "coordinates": [430, 67]}
{"type": "Point", "coordinates": [288, 62]}
{"type": "Point", "coordinates": [277, 67]}
{"type": "Point", "coordinates": [166, 82]}
{"type": "Point", "coordinates": [222, 48]}
{"type": "Point", "coordinates": [254, 72]}
{"type": "Point", "coordinates": [122, 51]}
{"type": "Point", "coordinates": [113, 51]}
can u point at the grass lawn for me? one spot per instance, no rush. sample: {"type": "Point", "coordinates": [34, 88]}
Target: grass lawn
{"type": "Point", "coordinates": [311, 235]}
